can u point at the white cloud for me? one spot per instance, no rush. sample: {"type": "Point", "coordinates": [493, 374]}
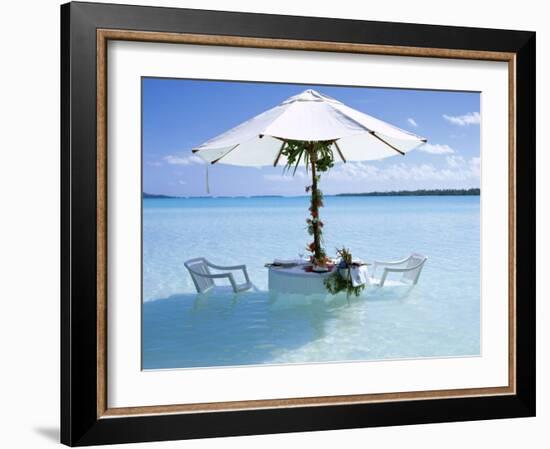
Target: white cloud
{"type": "Point", "coordinates": [182, 160]}
{"type": "Point", "coordinates": [285, 177]}
{"type": "Point", "coordinates": [457, 169]}
{"type": "Point", "coordinates": [472, 166]}
{"type": "Point", "coordinates": [412, 122]}
{"type": "Point", "coordinates": [278, 178]}
{"type": "Point", "coordinates": [454, 161]}
{"type": "Point", "coordinates": [155, 164]}
{"type": "Point", "coordinates": [436, 148]}
{"type": "Point", "coordinates": [471, 118]}
{"type": "Point", "coordinates": [475, 165]}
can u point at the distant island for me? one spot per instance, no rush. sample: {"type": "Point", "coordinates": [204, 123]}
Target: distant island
{"type": "Point", "coordinates": [435, 192]}
{"type": "Point", "coordinates": [159, 196]}
{"type": "Point", "coordinates": [154, 195]}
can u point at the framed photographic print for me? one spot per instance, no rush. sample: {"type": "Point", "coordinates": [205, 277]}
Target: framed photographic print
{"type": "Point", "coordinates": [277, 224]}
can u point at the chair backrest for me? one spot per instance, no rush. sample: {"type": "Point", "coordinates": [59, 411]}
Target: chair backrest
{"type": "Point", "coordinates": [416, 263]}
{"type": "Point", "coordinates": [196, 268]}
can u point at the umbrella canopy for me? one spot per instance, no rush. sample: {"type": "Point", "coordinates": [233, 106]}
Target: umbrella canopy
{"type": "Point", "coordinates": [309, 116]}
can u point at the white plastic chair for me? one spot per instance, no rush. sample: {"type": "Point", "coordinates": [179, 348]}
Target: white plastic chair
{"type": "Point", "coordinates": [410, 269]}
{"type": "Point", "coordinates": [203, 278]}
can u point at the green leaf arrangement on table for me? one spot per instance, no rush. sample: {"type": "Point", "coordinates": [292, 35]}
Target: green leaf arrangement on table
{"type": "Point", "coordinates": [340, 280]}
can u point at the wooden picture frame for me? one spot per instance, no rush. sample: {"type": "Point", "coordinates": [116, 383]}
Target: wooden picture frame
{"type": "Point", "coordinates": [85, 417]}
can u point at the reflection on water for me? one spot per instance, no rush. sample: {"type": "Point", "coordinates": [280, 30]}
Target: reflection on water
{"type": "Point", "coordinates": [256, 327]}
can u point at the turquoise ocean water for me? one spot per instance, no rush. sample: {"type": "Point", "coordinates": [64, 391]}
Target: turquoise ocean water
{"type": "Point", "coordinates": [440, 317]}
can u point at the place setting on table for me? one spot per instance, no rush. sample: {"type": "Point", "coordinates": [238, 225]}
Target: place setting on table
{"type": "Point", "coordinates": [336, 274]}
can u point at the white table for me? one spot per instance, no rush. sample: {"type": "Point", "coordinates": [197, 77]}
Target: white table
{"type": "Point", "coordinates": [296, 280]}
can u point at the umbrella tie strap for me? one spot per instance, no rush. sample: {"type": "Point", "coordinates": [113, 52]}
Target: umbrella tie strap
{"type": "Point", "coordinates": [207, 183]}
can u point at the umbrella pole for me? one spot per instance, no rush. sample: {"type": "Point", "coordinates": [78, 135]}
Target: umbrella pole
{"type": "Point", "coordinates": [314, 203]}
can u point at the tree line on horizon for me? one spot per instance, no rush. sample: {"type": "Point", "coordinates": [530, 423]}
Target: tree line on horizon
{"type": "Point", "coordinates": [420, 192]}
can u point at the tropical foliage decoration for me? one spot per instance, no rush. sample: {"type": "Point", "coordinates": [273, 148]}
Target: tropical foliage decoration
{"type": "Point", "coordinates": [319, 158]}
{"type": "Point", "coordinates": [338, 282]}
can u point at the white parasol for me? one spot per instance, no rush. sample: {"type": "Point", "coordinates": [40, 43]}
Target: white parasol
{"type": "Point", "coordinates": [309, 116]}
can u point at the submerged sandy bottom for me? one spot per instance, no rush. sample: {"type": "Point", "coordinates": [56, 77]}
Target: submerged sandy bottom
{"type": "Point", "coordinates": [222, 329]}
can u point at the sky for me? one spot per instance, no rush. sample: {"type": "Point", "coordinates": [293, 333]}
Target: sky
{"type": "Point", "coordinates": [179, 114]}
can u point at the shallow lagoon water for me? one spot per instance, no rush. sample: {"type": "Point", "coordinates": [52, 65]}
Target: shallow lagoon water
{"type": "Point", "coordinates": [440, 317]}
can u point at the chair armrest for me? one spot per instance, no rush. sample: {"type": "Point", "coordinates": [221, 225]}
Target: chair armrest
{"type": "Point", "coordinates": [381, 263]}
{"type": "Point", "coordinates": [211, 276]}
{"type": "Point", "coordinates": [231, 267]}
{"type": "Point", "coordinates": [390, 263]}
{"type": "Point", "coordinates": [219, 276]}
{"type": "Point", "coordinates": [397, 270]}
{"type": "Point", "coordinates": [402, 270]}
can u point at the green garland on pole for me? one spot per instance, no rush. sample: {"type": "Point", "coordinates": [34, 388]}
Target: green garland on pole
{"type": "Point", "coordinates": [318, 157]}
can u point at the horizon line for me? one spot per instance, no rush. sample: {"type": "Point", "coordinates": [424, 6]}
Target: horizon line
{"type": "Point", "coordinates": [404, 192]}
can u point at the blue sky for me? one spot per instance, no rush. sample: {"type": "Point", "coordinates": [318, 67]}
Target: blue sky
{"type": "Point", "coordinates": [181, 114]}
